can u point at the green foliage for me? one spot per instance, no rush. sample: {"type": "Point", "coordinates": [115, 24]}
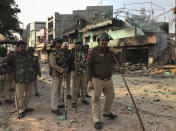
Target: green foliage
{"type": "Point", "coordinates": [9, 23]}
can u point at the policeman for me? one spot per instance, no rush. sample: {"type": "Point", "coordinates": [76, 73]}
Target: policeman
{"type": "Point", "coordinates": [86, 49]}
{"type": "Point", "coordinates": [79, 61]}
{"type": "Point", "coordinates": [24, 74]}
{"type": "Point", "coordinates": [4, 78]}
{"type": "Point", "coordinates": [31, 51]}
{"type": "Point", "coordinates": [58, 68]}
{"type": "Point", "coordinates": [100, 62]}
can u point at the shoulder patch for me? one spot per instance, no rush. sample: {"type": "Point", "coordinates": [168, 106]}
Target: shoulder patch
{"type": "Point", "coordinates": [89, 56]}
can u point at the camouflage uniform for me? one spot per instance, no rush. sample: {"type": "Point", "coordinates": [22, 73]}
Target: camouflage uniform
{"type": "Point", "coordinates": [79, 62]}
{"type": "Point", "coordinates": [36, 63]}
{"type": "Point", "coordinates": [37, 72]}
{"type": "Point", "coordinates": [4, 85]}
{"type": "Point", "coordinates": [57, 66]}
{"type": "Point", "coordinates": [24, 76]}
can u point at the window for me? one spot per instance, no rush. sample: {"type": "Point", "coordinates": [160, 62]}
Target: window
{"type": "Point", "coordinates": [94, 38]}
{"type": "Point", "coordinates": [87, 39]}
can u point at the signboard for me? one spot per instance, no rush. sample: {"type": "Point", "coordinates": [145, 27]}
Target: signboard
{"type": "Point", "coordinates": [43, 36]}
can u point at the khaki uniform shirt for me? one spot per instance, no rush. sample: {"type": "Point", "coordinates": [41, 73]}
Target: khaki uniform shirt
{"type": "Point", "coordinates": [55, 69]}
{"type": "Point", "coordinates": [100, 64]}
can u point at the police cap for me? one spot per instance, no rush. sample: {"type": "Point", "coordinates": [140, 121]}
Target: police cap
{"type": "Point", "coordinates": [103, 36]}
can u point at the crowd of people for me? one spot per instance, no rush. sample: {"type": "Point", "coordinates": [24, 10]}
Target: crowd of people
{"type": "Point", "coordinates": [91, 68]}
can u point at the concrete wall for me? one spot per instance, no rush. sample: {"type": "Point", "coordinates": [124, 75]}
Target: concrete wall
{"type": "Point", "coordinates": [60, 23]}
{"type": "Point", "coordinates": [93, 13]}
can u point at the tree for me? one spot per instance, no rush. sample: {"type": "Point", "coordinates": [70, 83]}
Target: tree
{"type": "Point", "coordinates": [9, 23]}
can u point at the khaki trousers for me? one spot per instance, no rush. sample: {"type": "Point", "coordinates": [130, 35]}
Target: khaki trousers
{"type": "Point", "coordinates": [55, 92]}
{"type": "Point", "coordinates": [108, 90]}
{"type": "Point", "coordinates": [23, 92]}
{"type": "Point", "coordinates": [78, 83]}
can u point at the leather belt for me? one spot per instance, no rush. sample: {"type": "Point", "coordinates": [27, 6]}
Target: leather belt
{"type": "Point", "coordinates": [104, 79]}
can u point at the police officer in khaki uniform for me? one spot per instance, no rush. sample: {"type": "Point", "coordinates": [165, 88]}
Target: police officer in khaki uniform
{"type": "Point", "coordinates": [58, 68]}
{"type": "Point", "coordinates": [24, 74]}
{"type": "Point", "coordinates": [79, 64]}
{"type": "Point", "coordinates": [100, 62]}
{"type": "Point", "coordinates": [36, 62]}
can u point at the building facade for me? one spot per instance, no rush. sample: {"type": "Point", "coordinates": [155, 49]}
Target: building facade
{"type": "Point", "coordinates": [34, 28]}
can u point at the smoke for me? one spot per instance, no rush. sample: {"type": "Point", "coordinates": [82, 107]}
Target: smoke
{"type": "Point", "coordinates": [161, 41]}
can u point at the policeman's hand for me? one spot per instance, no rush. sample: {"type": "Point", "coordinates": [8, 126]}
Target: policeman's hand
{"type": "Point", "coordinates": [111, 49]}
{"type": "Point", "coordinates": [114, 50]}
{"type": "Point", "coordinates": [91, 85]}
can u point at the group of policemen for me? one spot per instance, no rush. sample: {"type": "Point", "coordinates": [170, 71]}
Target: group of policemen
{"type": "Point", "coordinates": [91, 68]}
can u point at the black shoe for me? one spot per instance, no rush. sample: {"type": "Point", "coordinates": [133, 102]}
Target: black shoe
{"type": "Point", "coordinates": [57, 112]}
{"type": "Point", "coordinates": [98, 125]}
{"type": "Point", "coordinates": [9, 101]}
{"type": "Point", "coordinates": [73, 105]}
{"type": "Point", "coordinates": [61, 106]}
{"type": "Point", "coordinates": [28, 110]}
{"type": "Point", "coordinates": [111, 116]}
{"type": "Point", "coordinates": [88, 96]}
{"type": "Point", "coordinates": [69, 97]}
{"type": "Point", "coordinates": [85, 102]}
{"type": "Point", "coordinates": [37, 94]}
{"type": "Point", "coordinates": [21, 115]}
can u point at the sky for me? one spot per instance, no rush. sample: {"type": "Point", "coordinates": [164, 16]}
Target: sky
{"type": "Point", "coordinates": [39, 10]}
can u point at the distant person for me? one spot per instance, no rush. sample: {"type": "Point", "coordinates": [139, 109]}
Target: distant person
{"type": "Point", "coordinates": [31, 51]}
{"type": "Point", "coordinates": [5, 86]}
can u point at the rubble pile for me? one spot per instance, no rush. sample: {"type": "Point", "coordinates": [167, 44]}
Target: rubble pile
{"type": "Point", "coordinates": [164, 71]}
{"type": "Point", "coordinates": [138, 69]}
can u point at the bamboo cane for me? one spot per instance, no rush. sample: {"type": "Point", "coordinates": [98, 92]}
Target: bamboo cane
{"type": "Point", "coordinates": [76, 108]}
{"type": "Point", "coordinates": [140, 120]}
{"type": "Point", "coordinates": [65, 96]}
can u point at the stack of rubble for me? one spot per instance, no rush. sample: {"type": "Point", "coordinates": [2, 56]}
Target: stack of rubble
{"type": "Point", "coordinates": [164, 71]}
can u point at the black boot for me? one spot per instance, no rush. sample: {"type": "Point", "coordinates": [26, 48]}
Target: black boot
{"type": "Point", "coordinates": [61, 106]}
{"type": "Point", "coordinates": [98, 125]}
{"type": "Point", "coordinates": [21, 115]}
{"type": "Point", "coordinates": [85, 102]}
{"type": "Point", "coordinates": [57, 112]}
{"type": "Point", "coordinates": [111, 116]}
